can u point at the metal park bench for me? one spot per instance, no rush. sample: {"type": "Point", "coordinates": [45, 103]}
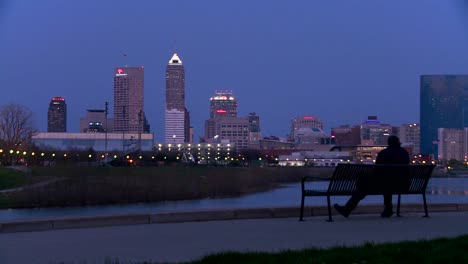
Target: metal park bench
{"type": "Point", "coordinates": [372, 180]}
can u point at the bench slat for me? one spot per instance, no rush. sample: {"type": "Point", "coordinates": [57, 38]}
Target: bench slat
{"type": "Point", "coordinates": [346, 177]}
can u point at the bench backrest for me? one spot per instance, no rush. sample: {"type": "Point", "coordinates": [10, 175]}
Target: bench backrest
{"type": "Point", "coordinates": [375, 179]}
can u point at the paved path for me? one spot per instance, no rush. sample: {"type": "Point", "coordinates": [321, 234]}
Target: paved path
{"type": "Point", "coordinates": [175, 242]}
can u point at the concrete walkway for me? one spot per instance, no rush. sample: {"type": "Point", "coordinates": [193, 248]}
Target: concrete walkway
{"type": "Point", "coordinates": [176, 242]}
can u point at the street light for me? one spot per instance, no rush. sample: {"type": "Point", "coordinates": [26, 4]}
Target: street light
{"type": "Point", "coordinates": [173, 138]}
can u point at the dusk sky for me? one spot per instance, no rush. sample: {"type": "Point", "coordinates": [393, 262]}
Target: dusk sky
{"type": "Point", "coordinates": [338, 60]}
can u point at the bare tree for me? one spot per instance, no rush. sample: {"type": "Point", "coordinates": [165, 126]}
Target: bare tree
{"type": "Point", "coordinates": [16, 126]}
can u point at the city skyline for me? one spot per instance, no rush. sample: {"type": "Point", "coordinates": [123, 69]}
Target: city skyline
{"type": "Point", "coordinates": [280, 60]}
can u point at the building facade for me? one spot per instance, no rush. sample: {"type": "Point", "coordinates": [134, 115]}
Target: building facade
{"type": "Point", "coordinates": [175, 126]}
{"type": "Point", "coordinates": [223, 104]}
{"type": "Point", "coordinates": [304, 122]}
{"type": "Point", "coordinates": [255, 133]}
{"type": "Point", "coordinates": [177, 118]}
{"type": "Point", "coordinates": [443, 104]}
{"type": "Point", "coordinates": [234, 130]}
{"type": "Point", "coordinates": [115, 142]}
{"type": "Point", "coordinates": [95, 122]}
{"type": "Point", "coordinates": [57, 115]}
{"type": "Point", "coordinates": [128, 99]}
{"type": "Point", "coordinates": [346, 135]}
{"type": "Point", "coordinates": [452, 144]}
{"type": "Point", "coordinates": [374, 132]}
{"type": "Point", "coordinates": [410, 135]}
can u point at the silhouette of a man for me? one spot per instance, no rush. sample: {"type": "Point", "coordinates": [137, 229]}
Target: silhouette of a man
{"type": "Point", "coordinates": [393, 154]}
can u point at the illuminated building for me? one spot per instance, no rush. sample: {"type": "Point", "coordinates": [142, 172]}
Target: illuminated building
{"type": "Point", "coordinates": [410, 135]}
{"type": "Point", "coordinates": [304, 122]}
{"type": "Point", "coordinates": [443, 104]}
{"type": "Point", "coordinates": [373, 132]}
{"type": "Point", "coordinates": [177, 117]}
{"type": "Point", "coordinates": [57, 115]}
{"type": "Point", "coordinates": [128, 100]}
{"type": "Point", "coordinates": [452, 144]}
{"type": "Point", "coordinates": [223, 104]}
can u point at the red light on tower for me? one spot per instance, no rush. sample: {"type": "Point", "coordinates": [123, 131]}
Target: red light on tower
{"type": "Point", "coordinates": [308, 117]}
{"type": "Point", "coordinates": [221, 111]}
{"type": "Point", "coordinates": [120, 70]}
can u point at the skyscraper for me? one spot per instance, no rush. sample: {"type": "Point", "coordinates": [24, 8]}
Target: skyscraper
{"type": "Point", "coordinates": [128, 99]}
{"type": "Point", "coordinates": [223, 104]}
{"type": "Point", "coordinates": [57, 115]}
{"type": "Point", "coordinates": [177, 123]}
{"type": "Point", "coordinates": [443, 104]}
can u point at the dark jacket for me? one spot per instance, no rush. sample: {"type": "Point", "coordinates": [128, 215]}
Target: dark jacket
{"type": "Point", "coordinates": [393, 155]}
{"type": "Point", "coordinates": [396, 177]}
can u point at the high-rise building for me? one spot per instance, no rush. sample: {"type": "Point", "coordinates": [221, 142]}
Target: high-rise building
{"type": "Point", "coordinates": [410, 136]}
{"type": "Point", "coordinates": [57, 115]}
{"type": "Point", "coordinates": [304, 122]}
{"type": "Point", "coordinates": [177, 120]}
{"type": "Point", "coordinates": [223, 104]}
{"type": "Point", "coordinates": [128, 99]}
{"type": "Point", "coordinates": [443, 104]}
{"type": "Point", "coordinates": [254, 131]}
{"type": "Point", "coordinates": [452, 144]}
{"type": "Point", "coordinates": [374, 132]}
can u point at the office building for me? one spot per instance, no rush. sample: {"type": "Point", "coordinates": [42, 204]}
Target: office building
{"type": "Point", "coordinates": [223, 104]}
{"type": "Point", "coordinates": [177, 119]}
{"type": "Point", "coordinates": [409, 135]}
{"type": "Point", "coordinates": [452, 144]}
{"type": "Point", "coordinates": [346, 135]}
{"type": "Point", "coordinates": [234, 130]}
{"type": "Point", "coordinates": [254, 131]}
{"type": "Point", "coordinates": [57, 115]}
{"type": "Point", "coordinates": [374, 132]}
{"type": "Point", "coordinates": [443, 104]}
{"type": "Point", "coordinates": [304, 122]}
{"type": "Point", "coordinates": [128, 99]}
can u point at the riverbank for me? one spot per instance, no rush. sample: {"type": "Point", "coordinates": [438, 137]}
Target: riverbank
{"type": "Point", "coordinates": [81, 186]}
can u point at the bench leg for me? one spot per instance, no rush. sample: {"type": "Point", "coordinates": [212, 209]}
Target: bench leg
{"type": "Point", "coordinates": [425, 205]}
{"type": "Point", "coordinates": [398, 206]}
{"type": "Point", "coordinates": [302, 209]}
{"type": "Point", "coordinates": [329, 210]}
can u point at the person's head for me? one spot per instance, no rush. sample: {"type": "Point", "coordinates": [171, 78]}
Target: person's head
{"type": "Point", "coordinates": [393, 141]}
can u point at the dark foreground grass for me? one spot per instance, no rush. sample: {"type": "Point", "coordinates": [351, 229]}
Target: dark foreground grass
{"type": "Point", "coordinates": [431, 251]}
{"type": "Point", "coordinates": [10, 178]}
{"type": "Point", "coordinates": [443, 250]}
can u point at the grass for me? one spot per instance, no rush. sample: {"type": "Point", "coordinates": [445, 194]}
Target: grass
{"type": "Point", "coordinates": [427, 251]}
{"type": "Point", "coordinates": [77, 186]}
{"type": "Point", "coordinates": [435, 251]}
{"type": "Point", "coordinates": [10, 178]}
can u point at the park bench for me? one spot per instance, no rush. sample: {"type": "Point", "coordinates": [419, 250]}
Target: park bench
{"type": "Point", "coordinates": [373, 180]}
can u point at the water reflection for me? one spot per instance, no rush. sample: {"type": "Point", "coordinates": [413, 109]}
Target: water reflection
{"type": "Point", "coordinates": [446, 190]}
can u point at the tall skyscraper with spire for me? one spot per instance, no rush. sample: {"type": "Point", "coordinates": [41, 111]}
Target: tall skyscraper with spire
{"type": "Point", "coordinates": [128, 99]}
{"type": "Point", "coordinates": [177, 123]}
